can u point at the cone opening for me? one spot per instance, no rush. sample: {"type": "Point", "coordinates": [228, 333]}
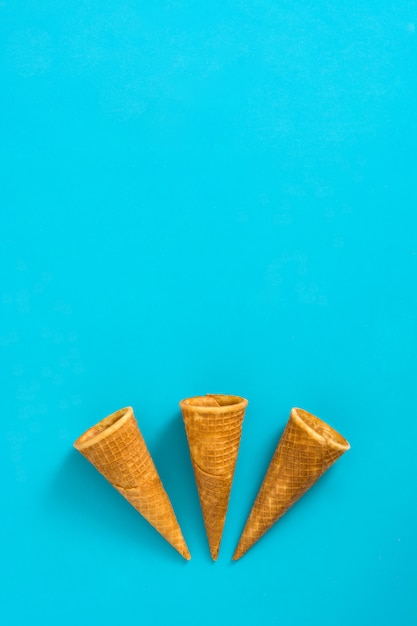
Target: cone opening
{"type": "Point", "coordinates": [212, 400]}
{"type": "Point", "coordinates": [106, 426]}
{"type": "Point", "coordinates": [320, 430]}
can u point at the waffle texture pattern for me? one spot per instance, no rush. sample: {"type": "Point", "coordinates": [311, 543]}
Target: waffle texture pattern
{"type": "Point", "coordinates": [116, 448]}
{"type": "Point", "coordinates": [307, 448]}
{"type": "Point", "coordinates": [213, 424]}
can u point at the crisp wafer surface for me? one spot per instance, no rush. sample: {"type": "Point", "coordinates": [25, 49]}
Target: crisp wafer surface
{"type": "Point", "coordinates": [124, 460]}
{"type": "Point", "coordinates": [307, 448]}
{"type": "Point", "coordinates": [214, 429]}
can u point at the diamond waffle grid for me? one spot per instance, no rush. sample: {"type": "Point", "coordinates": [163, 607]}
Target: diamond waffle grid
{"type": "Point", "coordinates": [124, 460]}
{"type": "Point", "coordinates": [298, 462]}
{"type": "Point", "coordinates": [213, 439]}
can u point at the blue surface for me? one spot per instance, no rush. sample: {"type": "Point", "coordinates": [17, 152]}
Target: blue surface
{"type": "Point", "coordinates": [204, 198]}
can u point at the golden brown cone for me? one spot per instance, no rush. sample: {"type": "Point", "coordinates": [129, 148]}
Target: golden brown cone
{"type": "Point", "coordinates": [116, 448]}
{"type": "Point", "coordinates": [213, 424]}
{"type": "Point", "coordinates": [307, 448]}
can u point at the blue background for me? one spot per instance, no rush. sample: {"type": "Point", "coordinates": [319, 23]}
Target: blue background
{"type": "Point", "coordinates": [208, 197]}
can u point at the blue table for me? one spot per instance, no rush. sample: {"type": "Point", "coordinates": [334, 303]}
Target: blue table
{"type": "Point", "coordinates": [208, 197]}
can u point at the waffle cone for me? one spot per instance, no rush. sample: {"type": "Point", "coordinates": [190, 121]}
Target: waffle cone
{"type": "Point", "coordinates": [213, 424]}
{"type": "Point", "coordinates": [116, 448]}
{"type": "Point", "coordinates": [307, 448]}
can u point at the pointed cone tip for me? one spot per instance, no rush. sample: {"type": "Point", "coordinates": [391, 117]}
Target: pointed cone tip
{"type": "Point", "coordinates": [181, 547]}
{"type": "Point", "coordinates": [238, 554]}
{"type": "Point", "coordinates": [214, 553]}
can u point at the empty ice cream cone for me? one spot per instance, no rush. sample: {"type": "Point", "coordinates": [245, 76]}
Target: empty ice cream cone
{"type": "Point", "coordinates": [213, 424]}
{"type": "Point", "coordinates": [307, 448]}
{"type": "Point", "coordinates": [116, 448]}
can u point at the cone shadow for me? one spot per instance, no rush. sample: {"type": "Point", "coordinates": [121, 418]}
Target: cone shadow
{"type": "Point", "coordinates": [80, 497]}
{"type": "Point", "coordinates": [261, 465]}
{"type": "Point", "coordinates": [171, 456]}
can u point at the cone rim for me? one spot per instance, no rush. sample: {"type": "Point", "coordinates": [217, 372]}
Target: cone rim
{"type": "Point", "coordinates": [103, 428]}
{"type": "Point", "coordinates": [199, 403]}
{"type": "Point", "coordinates": [319, 430]}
